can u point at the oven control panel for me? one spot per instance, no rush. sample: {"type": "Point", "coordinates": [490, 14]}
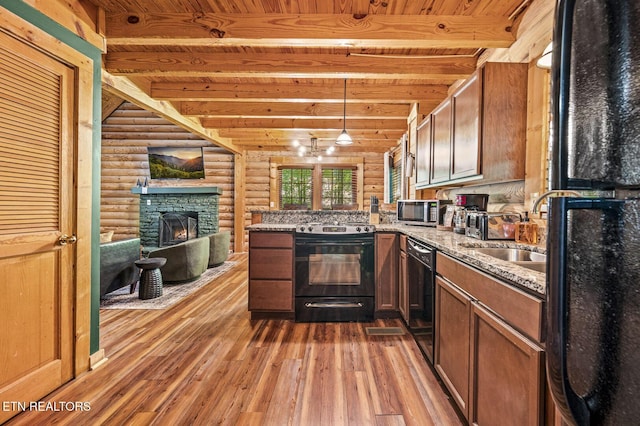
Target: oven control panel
{"type": "Point", "coordinates": [322, 228]}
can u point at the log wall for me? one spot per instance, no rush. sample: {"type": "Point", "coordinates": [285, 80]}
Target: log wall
{"type": "Point", "coordinates": [126, 134]}
{"type": "Point", "coordinates": [129, 130]}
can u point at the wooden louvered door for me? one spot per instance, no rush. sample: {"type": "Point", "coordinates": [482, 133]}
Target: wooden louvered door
{"type": "Point", "coordinates": [37, 199]}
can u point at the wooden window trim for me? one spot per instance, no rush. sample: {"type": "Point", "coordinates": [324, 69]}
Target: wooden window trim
{"type": "Point", "coordinates": [277, 162]}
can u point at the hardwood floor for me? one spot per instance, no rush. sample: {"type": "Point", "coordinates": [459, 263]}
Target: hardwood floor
{"type": "Point", "coordinates": [203, 362]}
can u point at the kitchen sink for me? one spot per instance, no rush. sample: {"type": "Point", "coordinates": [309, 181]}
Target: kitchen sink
{"type": "Point", "coordinates": [513, 254]}
{"type": "Point", "coordinates": [525, 258]}
{"type": "Point", "coordinates": [536, 266]}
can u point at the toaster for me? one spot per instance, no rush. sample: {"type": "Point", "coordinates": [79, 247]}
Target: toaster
{"type": "Point", "coordinates": [491, 226]}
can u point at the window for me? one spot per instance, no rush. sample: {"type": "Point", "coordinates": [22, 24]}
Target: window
{"type": "Point", "coordinates": [339, 187]}
{"type": "Point", "coordinates": [300, 184]}
{"type": "Point", "coordinates": [296, 188]}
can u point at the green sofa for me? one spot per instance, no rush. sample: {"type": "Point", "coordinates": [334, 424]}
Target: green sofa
{"type": "Point", "coordinates": [117, 269]}
{"type": "Point", "coordinates": [218, 248]}
{"type": "Point", "coordinates": [185, 261]}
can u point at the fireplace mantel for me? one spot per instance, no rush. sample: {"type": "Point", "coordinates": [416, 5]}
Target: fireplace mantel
{"type": "Point", "coordinates": [213, 190]}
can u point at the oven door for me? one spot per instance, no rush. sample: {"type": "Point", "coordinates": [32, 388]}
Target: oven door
{"type": "Point", "coordinates": [334, 265]}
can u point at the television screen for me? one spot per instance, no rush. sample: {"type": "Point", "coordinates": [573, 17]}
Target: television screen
{"type": "Point", "coordinates": [176, 163]}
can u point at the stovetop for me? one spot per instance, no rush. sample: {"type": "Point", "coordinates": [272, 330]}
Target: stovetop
{"type": "Point", "coordinates": [335, 228]}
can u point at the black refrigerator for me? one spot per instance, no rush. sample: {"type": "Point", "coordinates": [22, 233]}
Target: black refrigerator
{"type": "Point", "coordinates": [593, 269]}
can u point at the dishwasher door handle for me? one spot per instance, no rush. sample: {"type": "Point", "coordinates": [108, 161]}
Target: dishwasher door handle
{"type": "Point", "coordinates": [419, 248]}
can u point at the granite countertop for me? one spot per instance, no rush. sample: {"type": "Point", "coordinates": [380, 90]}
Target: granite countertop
{"type": "Point", "coordinates": [462, 248]}
{"type": "Point", "coordinates": [281, 227]}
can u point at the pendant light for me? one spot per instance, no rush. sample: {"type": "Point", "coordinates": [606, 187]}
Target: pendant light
{"type": "Point", "coordinates": [344, 138]}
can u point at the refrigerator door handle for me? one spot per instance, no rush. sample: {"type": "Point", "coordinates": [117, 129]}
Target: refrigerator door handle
{"type": "Point", "coordinates": [568, 401]}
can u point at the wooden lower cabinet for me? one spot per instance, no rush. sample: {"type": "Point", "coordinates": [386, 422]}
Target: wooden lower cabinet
{"type": "Point", "coordinates": [494, 372]}
{"type": "Point", "coordinates": [507, 373]}
{"type": "Point", "coordinates": [386, 265]}
{"type": "Point", "coordinates": [453, 329]}
{"type": "Point", "coordinates": [271, 287]}
{"type": "Point", "coordinates": [403, 285]}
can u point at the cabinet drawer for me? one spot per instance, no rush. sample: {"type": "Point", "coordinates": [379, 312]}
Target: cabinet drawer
{"type": "Point", "coordinates": [271, 264]}
{"type": "Point", "coordinates": [515, 306]}
{"type": "Point", "coordinates": [270, 239]}
{"type": "Point", "coordinates": [267, 295]}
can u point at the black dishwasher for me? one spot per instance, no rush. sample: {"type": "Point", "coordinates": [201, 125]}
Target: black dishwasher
{"type": "Point", "coordinates": [420, 280]}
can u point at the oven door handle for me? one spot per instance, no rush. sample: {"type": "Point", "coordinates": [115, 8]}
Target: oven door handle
{"type": "Point", "coordinates": [333, 305]}
{"type": "Point", "coordinates": [334, 244]}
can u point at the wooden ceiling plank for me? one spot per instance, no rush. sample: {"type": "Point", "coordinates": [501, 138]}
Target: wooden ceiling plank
{"type": "Point", "coordinates": [285, 65]}
{"type": "Point", "coordinates": [331, 91]}
{"type": "Point", "coordinates": [292, 110]}
{"type": "Point", "coordinates": [122, 87]}
{"type": "Point", "coordinates": [322, 30]}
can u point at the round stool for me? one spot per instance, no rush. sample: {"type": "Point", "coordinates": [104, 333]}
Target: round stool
{"type": "Point", "coordinates": [151, 277]}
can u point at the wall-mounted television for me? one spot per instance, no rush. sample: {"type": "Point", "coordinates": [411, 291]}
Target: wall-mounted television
{"type": "Point", "coordinates": [176, 163]}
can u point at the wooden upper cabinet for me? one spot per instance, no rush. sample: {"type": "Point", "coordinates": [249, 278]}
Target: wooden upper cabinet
{"type": "Point", "coordinates": [466, 146]}
{"type": "Point", "coordinates": [423, 152]}
{"type": "Point", "coordinates": [504, 121]}
{"type": "Point", "coordinates": [441, 143]}
{"type": "Point", "coordinates": [479, 132]}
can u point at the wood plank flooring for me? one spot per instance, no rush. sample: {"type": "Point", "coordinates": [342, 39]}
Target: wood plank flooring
{"type": "Point", "coordinates": [203, 362]}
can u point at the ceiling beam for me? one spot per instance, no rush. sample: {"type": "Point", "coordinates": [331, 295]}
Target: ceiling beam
{"type": "Point", "coordinates": [309, 30]}
{"type": "Point", "coordinates": [355, 148]}
{"type": "Point", "coordinates": [292, 110]}
{"type": "Point", "coordinates": [359, 145]}
{"type": "Point", "coordinates": [302, 134]}
{"type": "Point", "coordinates": [285, 65]}
{"type": "Point", "coordinates": [304, 123]}
{"type": "Point", "coordinates": [125, 89]}
{"type": "Point", "coordinates": [308, 91]}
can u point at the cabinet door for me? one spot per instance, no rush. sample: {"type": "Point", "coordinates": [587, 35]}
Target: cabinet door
{"type": "Point", "coordinates": [451, 358]}
{"type": "Point", "coordinates": [271, 295]}
{"type": "Point", "coordinates": [441, 142]}
{"type": "Point", "coordinates": [403, 287]}
{"type": "Point", "coordinates": [423, 153]}
{"type": "Point", "coordinates": [466, 139]}
{"type": "Point", "coordinates": [386, 272]}
{"type": "Point", "coordinates": [506, 373]}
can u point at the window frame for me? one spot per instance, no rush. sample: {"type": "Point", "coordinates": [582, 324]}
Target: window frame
{"type": "Point", "coordinates": [357, 163]}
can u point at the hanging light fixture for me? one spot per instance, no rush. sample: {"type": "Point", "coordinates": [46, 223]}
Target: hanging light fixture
{"type": "Point", "coordinates": [344, 138]}
{"type": "Point", "coordinates": [313, 150]}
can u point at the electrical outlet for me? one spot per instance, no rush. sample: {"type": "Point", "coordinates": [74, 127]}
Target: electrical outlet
{"type": "Point", "coordinates": [272, 204]}
{"type": "Point", "coordinates": [148, 202]}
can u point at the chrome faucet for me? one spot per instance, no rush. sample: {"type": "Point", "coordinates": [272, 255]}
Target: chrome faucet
{"type": "Point", "coordinates": [534, 208]}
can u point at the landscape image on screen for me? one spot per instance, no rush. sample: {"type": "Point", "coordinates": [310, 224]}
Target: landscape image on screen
{"type": "Point", "coordinates": [176, 163]}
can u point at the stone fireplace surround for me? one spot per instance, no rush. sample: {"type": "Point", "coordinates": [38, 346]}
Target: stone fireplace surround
{"type": "Point", "coordinates": [155, 201]}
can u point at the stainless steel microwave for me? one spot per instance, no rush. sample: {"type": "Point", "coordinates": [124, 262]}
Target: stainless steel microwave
{"type": "Point", "coordinates": [421, 212]}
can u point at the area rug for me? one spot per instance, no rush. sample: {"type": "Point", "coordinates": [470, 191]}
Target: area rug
{"type": "Point", "coordinates": [171, 293]}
